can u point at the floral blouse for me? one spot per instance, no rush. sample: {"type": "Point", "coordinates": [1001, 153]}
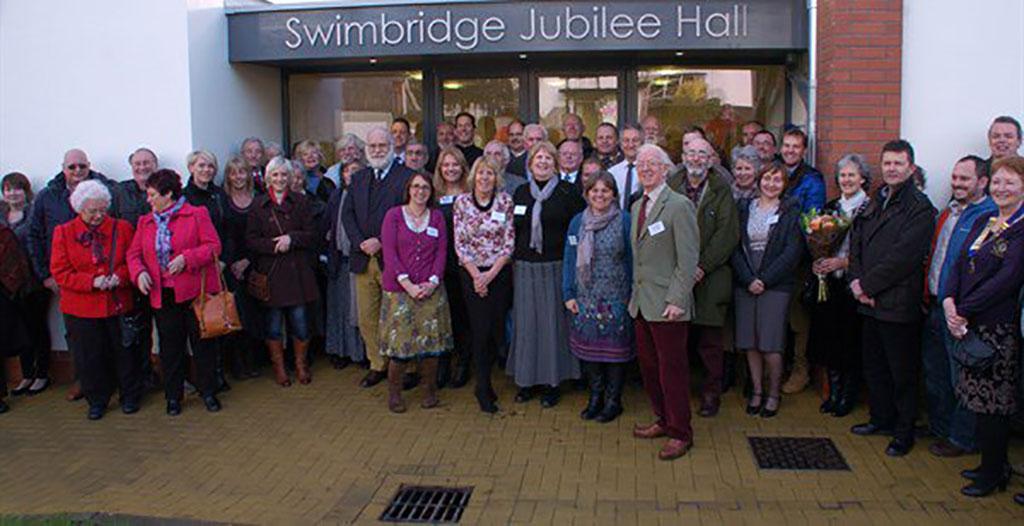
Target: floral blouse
{"type": "Point", "coordinates": [483, 234]}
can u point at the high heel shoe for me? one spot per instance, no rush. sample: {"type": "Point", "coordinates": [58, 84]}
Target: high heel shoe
{"type": "Point", "coordinates": [753, 409]}
{"type": "Point", "coordinates": [769, 413]}
{"type": "Point", "coordinates": [975, 473]}
{"type": "Point", "coordinates": [979, 489]}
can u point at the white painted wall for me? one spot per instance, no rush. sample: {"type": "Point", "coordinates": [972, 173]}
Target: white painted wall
{"type": "Point", "coordinates": [963, 65]}
{"type": "Point", "coordinates": [109, 76]}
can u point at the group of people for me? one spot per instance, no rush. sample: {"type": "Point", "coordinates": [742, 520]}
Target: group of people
{"type": "Point", "coordinates": [560, 262]}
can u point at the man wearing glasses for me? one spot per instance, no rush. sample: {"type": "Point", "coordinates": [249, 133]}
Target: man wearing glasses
{"type": "Point", "coordinates": [51, 208]}
{"type": "Point", "coordinates": [718, 224]}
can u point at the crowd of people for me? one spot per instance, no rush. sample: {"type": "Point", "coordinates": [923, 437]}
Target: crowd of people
{"type": "Point", "coordinates": [557, 262]}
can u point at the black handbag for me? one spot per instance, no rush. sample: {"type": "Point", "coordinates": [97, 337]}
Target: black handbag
{"type": "Point", "coordinates": [130, 322]}
{"type": "Point", "coordinates": [973, 353]}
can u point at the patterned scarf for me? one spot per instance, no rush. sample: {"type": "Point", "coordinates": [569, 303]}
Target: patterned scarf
{"type": "Point", "coordinates": [93, 239]}
{"type": "Point", "coordinates": [163, 233]}
{"type": "Point", "coordinates": [585, 249]}
{"type": "Point", "coordinates": [539, 196]}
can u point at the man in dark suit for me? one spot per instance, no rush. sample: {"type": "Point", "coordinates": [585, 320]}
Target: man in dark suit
{"type": "Point", "coordinates": [374, 190]}
{"type": "Point", "coordinates": [887, 251]}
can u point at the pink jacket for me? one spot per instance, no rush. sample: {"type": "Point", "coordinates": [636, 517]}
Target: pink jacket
{"type": "Point", "coordinates": [192, 235]}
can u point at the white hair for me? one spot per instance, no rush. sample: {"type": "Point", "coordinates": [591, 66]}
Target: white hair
{"type": "Point", "coordinates": [349, 139]}
{"type": "Point", "coordinates": [277, 163]}
{"type": "Point", "coordinates": [658, 152]}
{"type": "Point", "coordinates": [88, 191]}
{"type": "Point", "coordinates": [535, 126]}
{"type": "Point", "coordinates": [506, 156]}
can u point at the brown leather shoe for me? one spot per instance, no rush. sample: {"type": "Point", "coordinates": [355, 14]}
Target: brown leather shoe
{"type": "Point", "coordinates": [650, 431]}
{"type": "Point", "coordinates": [674, 449]}
{"type": "Point", "coordinates": [709, 406]}
{"type": "Point", "coordinates": [372, 378]}
{"type": "Point", "coordinates": [946, 449]}
{"type": "Point", "coordinates": [74, 392]}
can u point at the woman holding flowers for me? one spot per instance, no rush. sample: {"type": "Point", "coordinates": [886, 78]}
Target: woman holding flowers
{"type": "Point", "coordinates": [764, 263]}
{"type": "Point", "coordinates": [835, 326]}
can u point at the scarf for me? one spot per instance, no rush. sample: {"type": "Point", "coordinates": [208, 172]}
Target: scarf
{"type": "Point", "coordinates": [340, 237]}
{"type": "Point", "coordinates": [163, 233]}
{"type": "Point", "coordinates": [93, 239]}
{"type": "Point", "coordinates": [585, 247]}
{"type": "Point", "coordinates": [849, 206]}
{"type": "Point", "coordinates": [539, 196]}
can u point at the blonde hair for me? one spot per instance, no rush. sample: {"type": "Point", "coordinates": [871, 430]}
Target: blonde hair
{"type": "Point", "coordinates": [439, 182]}
{"type": "Point", "coordinates": [238, 164]}
{"type": "Point", "coordinates": [480, 164]}
{"type": "Point", "coordinates": [195, 156]}
{"type": "Point", "coordinates": [307, 145]}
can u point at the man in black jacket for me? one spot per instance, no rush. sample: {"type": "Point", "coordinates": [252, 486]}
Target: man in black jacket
{"type": "Point", "coordinates": [373, 191]}
{"type": "Point", "coordinates": [887, 251]}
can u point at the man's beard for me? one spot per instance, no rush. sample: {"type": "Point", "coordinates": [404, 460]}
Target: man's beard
{"type": "Point", "coordinates": [382, 163]}
{"type": "Point", "coordinates": [696, 171]}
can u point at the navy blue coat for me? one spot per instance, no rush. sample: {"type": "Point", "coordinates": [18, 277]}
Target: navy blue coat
{"type": "Point", "coordinates": [782, 254]}
{"type": "Point", "coordinates": [50, 208]}
{"type": "Point", "coordinates": [363, 213]}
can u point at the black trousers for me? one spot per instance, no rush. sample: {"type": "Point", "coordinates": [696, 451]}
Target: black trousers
{"type": "Point", "coordinates": [103, 364]}
{"type": "Point", "coordinates": [892, 358]}
{"type": "Point", "coordinates": [486, 322]}
{"type": "Point", "coordinates": [35, 358]}
{"type": "Point", "coordinates": [458, 307]}
{"type": "Point", "coordinates": [144, 346]}
{"type": "Point", "coordinates": [993, 436]}
{"type": "Point", "coordinates": [177, 327]}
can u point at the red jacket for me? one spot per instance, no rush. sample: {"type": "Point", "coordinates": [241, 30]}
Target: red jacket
{"type": "Point", "coordinates": [192, 235]}
{"type": "Point", "coordinates": [74, 268]}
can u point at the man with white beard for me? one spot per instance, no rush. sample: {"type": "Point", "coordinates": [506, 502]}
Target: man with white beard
{"type": "Point", "coordinates": [373, 191]}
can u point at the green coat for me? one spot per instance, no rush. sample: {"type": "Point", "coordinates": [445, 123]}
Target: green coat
{"type": "Point", "coordinates": [718, 221]}
{"type": "Point", "coordinates": [664, 261]}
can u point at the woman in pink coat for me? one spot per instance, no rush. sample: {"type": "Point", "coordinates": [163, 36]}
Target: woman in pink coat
{"type": "Point", "coordinates": [174, 247]}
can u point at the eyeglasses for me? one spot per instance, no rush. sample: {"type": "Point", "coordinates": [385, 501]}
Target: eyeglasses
{"type": "Point", "coordinates": [78, 166]}
{"type": "Point", "coordinates": [423, 187]}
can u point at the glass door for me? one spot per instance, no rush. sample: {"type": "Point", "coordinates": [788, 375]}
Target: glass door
{"type": "Point", "coordinates": [593, 96]}
{"type": "Point", "coordinates": [494, 101]}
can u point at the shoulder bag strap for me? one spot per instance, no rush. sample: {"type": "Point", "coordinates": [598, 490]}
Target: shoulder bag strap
{"type": "Point", "coordinates": [113, 244]}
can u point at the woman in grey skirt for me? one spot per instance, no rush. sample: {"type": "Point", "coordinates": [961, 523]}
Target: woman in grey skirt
{"type": "Point", "coordinates": [343, 344]}
{"type": "Point", "coordinates": [542, 211]}
{"type": "Point", "coordinates": [764, 263]}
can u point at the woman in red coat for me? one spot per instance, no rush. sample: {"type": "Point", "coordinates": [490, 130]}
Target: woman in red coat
{"type": "Point", "coordinates": [87, 261]}
{"type": "Point", "coordinates": [175, 247]}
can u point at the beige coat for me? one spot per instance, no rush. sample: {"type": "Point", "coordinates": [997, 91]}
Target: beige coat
{"type": "Point", "coordinates": [664, 262]}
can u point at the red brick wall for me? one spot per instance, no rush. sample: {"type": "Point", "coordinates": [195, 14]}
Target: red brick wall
{"type": "Point", "coordinates": [859, 53]}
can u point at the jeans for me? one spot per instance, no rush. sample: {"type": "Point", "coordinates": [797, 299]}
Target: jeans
{"type": "Point", "coordinates": [297, 326]}
{"type": "Point", "coordinates": [946, 418]}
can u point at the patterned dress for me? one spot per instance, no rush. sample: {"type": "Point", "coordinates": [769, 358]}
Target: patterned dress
{"type": "Point", "coordinates": [602, 331]}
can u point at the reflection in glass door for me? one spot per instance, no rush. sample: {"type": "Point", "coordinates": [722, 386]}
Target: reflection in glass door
{"type": "Point", "coordinates": [595, 98]}
{"type": "Point", "coordinates": [493, 101]}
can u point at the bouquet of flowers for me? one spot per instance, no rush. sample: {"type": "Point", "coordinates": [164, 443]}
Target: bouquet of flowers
{"type": "Point", "coordinates": [824, 233]}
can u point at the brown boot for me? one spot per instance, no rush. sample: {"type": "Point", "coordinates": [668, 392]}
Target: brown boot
{"type": "Point", "coordinates": [301, 364]}
{"type": "Point", "coordinates": [799, 376]}
{"type": "Point", "coordinates": [428, 369]}
{"type": "Point", "coordinates": [276, 350]}
{"type": "Point", "coordinates": [395, 402]}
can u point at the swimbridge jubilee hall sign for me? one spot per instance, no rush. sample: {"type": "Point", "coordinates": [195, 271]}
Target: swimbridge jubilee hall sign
{"type": "Point", "coordinates": [508, 26]}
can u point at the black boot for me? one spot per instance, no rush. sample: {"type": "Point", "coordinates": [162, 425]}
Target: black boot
{"type": "Point", "coordinates": [834, 394]}
{"type": "Point", "coordinates": [461, 376]}
{"type": "Point", "coordinates": [728, 371]}
{"type": "Point", "coordinates": [615, 378]}
{"type": "Point", "coordinates": [444, 373]}
{"type": "Point", "coordinates": [595, 380]}
{"type": "Point", "coordinates": [849, 393]}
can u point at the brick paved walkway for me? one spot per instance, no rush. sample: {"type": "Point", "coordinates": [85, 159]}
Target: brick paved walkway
{"type": "Point", "coordinates": [331, 453]}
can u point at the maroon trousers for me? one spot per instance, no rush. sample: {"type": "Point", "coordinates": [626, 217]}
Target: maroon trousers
{"type": "Point", "coordinates": [661, 352]}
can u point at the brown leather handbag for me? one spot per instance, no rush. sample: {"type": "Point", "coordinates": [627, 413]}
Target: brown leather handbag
{"type": "Point", "coordinates": [257, 284]}
{"type": "Point", "coordinates": [216, 313]}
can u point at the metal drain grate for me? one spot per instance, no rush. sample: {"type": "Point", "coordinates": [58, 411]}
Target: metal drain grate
{"type": "Point", "coordinates": [797, 453]}
{"type": "Point", "coordinates": [431, 504]}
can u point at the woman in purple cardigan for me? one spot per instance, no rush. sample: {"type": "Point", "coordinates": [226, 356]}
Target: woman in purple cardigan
{"type": "Point", "coordinates": [415, 323]}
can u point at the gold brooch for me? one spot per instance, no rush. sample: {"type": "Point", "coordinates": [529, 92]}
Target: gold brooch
{"type": "Point", "coordinates": [999, 248]}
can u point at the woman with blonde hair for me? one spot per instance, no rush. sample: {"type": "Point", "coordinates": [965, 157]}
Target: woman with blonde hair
{"type": "Point", "coordinates": [239, 187]}
{"type": "Point", "coordinates": [450, 180]}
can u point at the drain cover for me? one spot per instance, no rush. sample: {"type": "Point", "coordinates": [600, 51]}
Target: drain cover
{"type": "Point", "coordinates": [809, 453]}
{"type": "Point", "coordinates": [431, 504]}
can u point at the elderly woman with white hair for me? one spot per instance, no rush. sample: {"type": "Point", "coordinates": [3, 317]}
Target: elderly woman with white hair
{"type": "Point", "coordinates": [498, 152]}
{"type": "Point", "coordinates": [745, 166]}
{"type": "Point", "coordinates": [835, 340]}
{"type": "Point", "coordinates": [348, 149]}
{"type": "Point", "coordinates": [88, 263]}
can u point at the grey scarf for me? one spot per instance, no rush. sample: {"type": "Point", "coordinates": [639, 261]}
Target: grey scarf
{"type": "Point", "coordinates": [539, 196]}
{"type": "Point", "coordinates": [585, 247]}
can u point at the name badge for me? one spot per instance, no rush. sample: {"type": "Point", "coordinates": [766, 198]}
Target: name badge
{"type": "Point", "coordinates": [447, 200]}
{"type": "Point", "coordinates": [519, 210]}
{"type": "Point", "coordinates": [656, 228]}
{"type": "Point", "coordinates": [498, 216]}
{"type": "Point", "coordinates": [573, 241]}
{"type": "Point", "coordinates": [431, 231]}
{"type": "Point", "coordinates": [773, 219]}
